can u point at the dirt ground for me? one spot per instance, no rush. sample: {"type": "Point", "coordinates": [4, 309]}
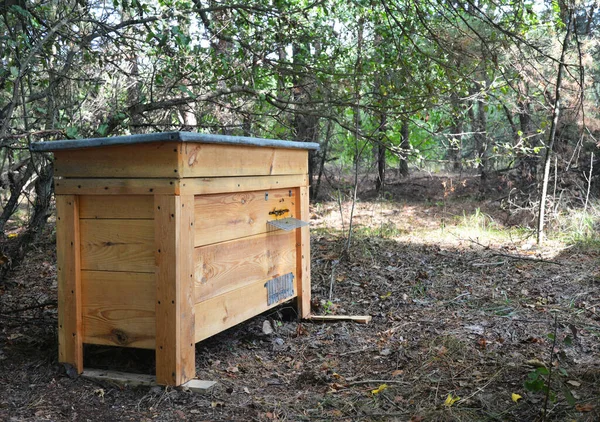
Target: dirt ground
{"type": "Point", "coordinates": [466, 312]}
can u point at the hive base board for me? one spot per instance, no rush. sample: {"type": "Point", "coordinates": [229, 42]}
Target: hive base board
{"type": "Point", "coordinates": [142, 380]}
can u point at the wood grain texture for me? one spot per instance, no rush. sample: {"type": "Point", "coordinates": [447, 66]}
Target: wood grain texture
{"type": "Point", "coordinates": [224, 311]}
{"type": "Point", "coordinates": [222, 267]}
{"type": "Point", "coordinates": [211, 185]}
{"type": "Point", "coordinates": [116, 206]}
{"type": "Point", "coordinates": [117, 245]}
{"type": "Point", "coordinates": [82, 186]}
{"type": "Point", "coordinates": [223, 217]}
{"type": "Point", "coordinates": [160, 159]}
{"type": "Point", "coordinates": [303, 254]}
{"type": "Point", "coordinates": [213, 160]}
{"type": "Point", "coordinates": [118, 308]}
{"type": "Point", "coordinates": [70, 348]}
{"type": "Point", "coordinates": [174, 242]}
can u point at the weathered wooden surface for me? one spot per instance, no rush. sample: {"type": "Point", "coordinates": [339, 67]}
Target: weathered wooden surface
{"type": "Point", "coordinates": [212, 185]}
{"type": "Point", "coordinates": [118, 308]}
{"type": "Point", "coordinates": [212, 160]}
{"type": "Point", "coordinates": [222, 267]}
{"type": "Point", "coordinates": [175, 348]}
{"type": "Point", "coordinates": [228, 216]}
{"type": "Point", "coordinates": [303, 254]}
{"type": "Point", "coordinates": [159, 159]}
{"type": "Point", "coordinates": [70, 348]}
{"type": "Point", "coordinates": [116, 206]}
{"type": "Point", "coordinates": [120, 378]}
{"type": "Point", "coordinates": [117, 245]}
{"type": "Point", "coordinates": [82, 186]}
{"type": "Point", "coordinates": [224, 311]}
{"type": "Point", "coordinates": [361, 319]}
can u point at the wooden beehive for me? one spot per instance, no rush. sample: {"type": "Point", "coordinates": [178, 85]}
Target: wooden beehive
{"type": "Point", "coordinates": [163, 240]}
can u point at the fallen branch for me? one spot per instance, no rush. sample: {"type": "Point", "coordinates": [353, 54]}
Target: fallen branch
{"type": "Point", "coordinates": [526, 258]}
{"type": "Point", "coordinates": [350, 384]}
{"type": "Point", "coordinates": [28, 308]}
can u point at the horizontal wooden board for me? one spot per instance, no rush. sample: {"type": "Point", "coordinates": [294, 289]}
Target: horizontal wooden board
{"type": "Point", "coordinates": [118, 308]}
{"type": "Point", "coordinates": [116, 206]}
{"type": "Point", "coordinates": [214, 160]}
{"type": "Point", "coordinates": [210, 185]}
{"type": "Point", "coordinates": [226, 266]}
{"type": "Point", "coordinates": [224, 311]}
{"type": "Point", "coordinates": [159, 159]}
{"type": "Point", "coordinates": [117, 245]}
{"type": "Point", "coordinates": [223, 217]}
{"type": "Point", "coordinates": [82, 186]}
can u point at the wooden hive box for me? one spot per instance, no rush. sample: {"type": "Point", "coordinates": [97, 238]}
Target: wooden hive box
{"type": "Point", "coordinates": [163, 240]}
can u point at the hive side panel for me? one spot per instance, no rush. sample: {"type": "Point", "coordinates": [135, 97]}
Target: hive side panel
{"type": "Point", "coordinates": [211, 185]}
{"type": "Point", "coordinates": [117, 245]}
{"type": "Point", "coordinates": [104, 186]}
{"type": "Point", "coordinates": [118, 308]}
{"type": "Point", "coordinates": [222, 267]}
{"type": "Point", "coordinates": [224, 311]}
{"type": "Point", "coordinates": [174, 244]}
{"type": "Point", "coordinates": [159, 159]}
{"type": "Point", "coordinates": [213, 160]}
{"type": "Point", "coordinates": [116, 207]}
{"type": "Point", "coordinates": [69, 281]}
{"type": "Point", "coordinates": [223, 217]}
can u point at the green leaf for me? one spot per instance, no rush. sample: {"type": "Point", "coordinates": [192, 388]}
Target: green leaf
{"type": "Point", "coordinates": [551, 336]}
{"type": "Point", "coordinates": [568, 341]}
{"type": "Point", "coordinates": [186, 90]}
{"type": "Point", "coordinates": [534, 386]}
{"type": "Point", "coordinates": [569, 397]}
{"type": "Point", "coordinates": [102, 129]}
{"type": "Point", "coordinates": [542, 371]}
{"type": "Point", "coordinates": [14, 71]}
{"type": "Point", "coordinates": [72, 132]}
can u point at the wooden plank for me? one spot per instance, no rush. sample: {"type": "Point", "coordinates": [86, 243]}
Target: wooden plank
{"type": "Point", "coordinates": [118, 308]}
{"type": "Point", "coordinates": [174, 243]}
{"type": "Point", "coordinates": [116, 206]}
{"type": "Point", "coordinates": [361, 319]}
{"type": "Point", "coordinates": [227, 266]}
{"type": "Point", "coordinates": [70, 348]}
{"type": "Point", "coordinates": [160, 159]}
{"type": "Point", "coordinates": [224, 311]}
{"type": "Point", "coordinates": [214, 160]}
{"type": "Point", "coordinates": [82, 186]}
{"type": "Point", "coordinates": [120, 378]}
{"type": "Point", "coordinates": [303, 254]}
{"type": "Point", "coordinates": [227, 216]}
{"type": "Point", "coordinates": [211, 185]}
{"type": "Point", "coordinates": [117, 245]}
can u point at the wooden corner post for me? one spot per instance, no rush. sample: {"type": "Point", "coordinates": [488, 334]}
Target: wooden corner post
{"type": "Point", "coordinates": [174, 242]}
{"type": "Point", "coordinates": [70, 348]}
{"type": "Point", "coordinates": [303, 254]}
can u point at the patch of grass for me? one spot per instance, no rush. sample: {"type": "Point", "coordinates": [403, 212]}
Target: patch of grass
{"type": "Point", "coordinates": [386, 230]}
{"type": "Point", "coordinates": [581, 228]}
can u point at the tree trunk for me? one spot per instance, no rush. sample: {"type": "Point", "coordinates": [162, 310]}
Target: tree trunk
{"type": "Point", "coordinates": [404, 147]}
{"type": "Point", "coordinates": [381, 150]}
{"type": "Point", "coordinates": [552, 136]}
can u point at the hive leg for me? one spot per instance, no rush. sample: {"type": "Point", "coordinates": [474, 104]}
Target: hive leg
{"type": "Point", "coordinates": [70, 348]}
{"type": "Point", "coordinates": [303, 253]}
{"type": "Point", "coordinates": [174, 241]}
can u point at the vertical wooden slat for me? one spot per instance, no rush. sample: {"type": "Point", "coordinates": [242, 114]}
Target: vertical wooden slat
{"type": "Point", "coordinates": [175, 319]}
{"type": "Point", "coordinates": [303, 253]}
{"type": "Point", "coordinates": [69, 282]}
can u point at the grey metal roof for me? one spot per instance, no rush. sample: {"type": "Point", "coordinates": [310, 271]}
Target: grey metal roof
{"type": "Point", "coordinates": [169, 137]}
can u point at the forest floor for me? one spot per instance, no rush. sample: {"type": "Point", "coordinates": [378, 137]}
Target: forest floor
{"type": "Point", "coordinates": [465, 311]}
